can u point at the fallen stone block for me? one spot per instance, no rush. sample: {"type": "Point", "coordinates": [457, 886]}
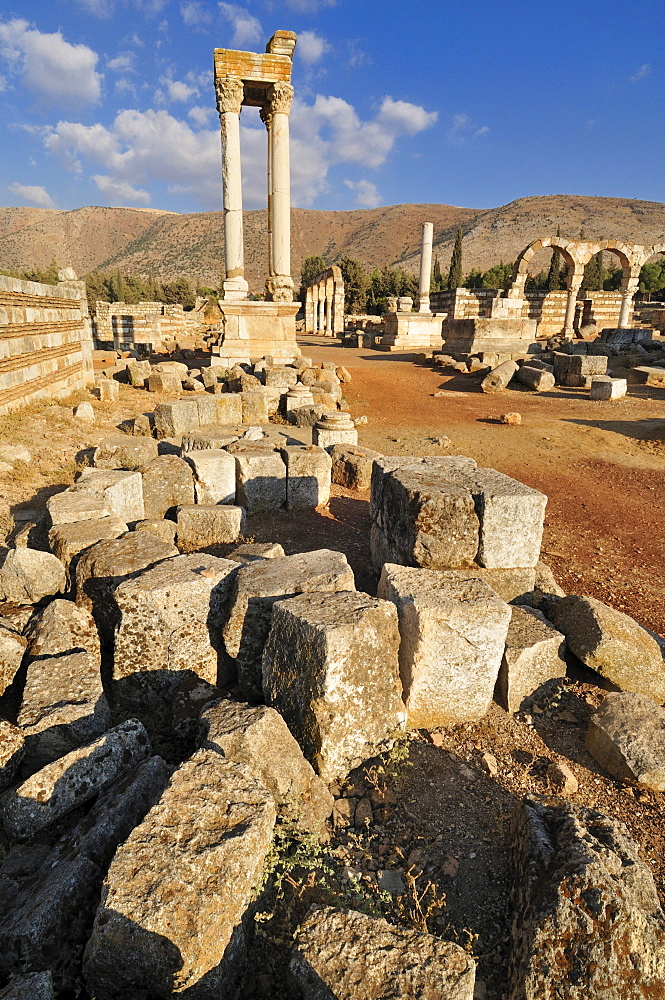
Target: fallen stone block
{"type": "Point", "coordinates": [162, 528]}
{"type": "Point", "coordinates": [626, 736]}
{"type": "Point", "coordinates": [499, 377]}
{"type": "Point", "coordinates": [205, 526]}
{"type": "Point", "coordinates": [170, 620]}
{"type": "Point", "coordinates": [138, 372]}
{"type": "Point", "coordinates": [206, 407]}
{"type": "Point", "coordinates": [125, 452]}
{"type": "Point", "coordinates": [333, 428]}
{"type": "Point", "coordinates": [62, 627]}
{"type": "Point", "coordinates": [212, 375]}
{"type": "Point", "coordinates": [172, 419]}
{"type": "Point", "coordinates": [576, 366]}
{"type": "Point", "coordinates": [121, 491]}
{"type": "Point", "coordinates": [452, 637]}
{"type": "Point", "coordinates": [229, 408]}
{"type": "Point", "coordinates": [84, 412]}
{"type": "Point", "coordinates": [537, 379]}
{"type": "Point", "coordinates": [512, 419]}
{"type": "Point", "coordinates": [260, 481]}
{"type": "Point", "coordinates": [168, 482]}
{"type": "Point", "coordinates": [32, 986]}
{"type": "Point", "coordinates": [649, 375]}
{"type": "Point", "coordinates": [258, 586]}
{"type": "Point", "coordinates": [109, 390]}
{"type": "Point", "coordinates": [254, 407]}
{"type": "Point", "coordinates": [308, 476]}
{"type": "Point", "coordinates": [258, 737]}
{"type": "Point", "coordinates": [72, 505]}
{"type": "Point", "coordinates": [73, 780]}
{"type": "Point", "coordinates": [214, 475]}
{"type": "Point", "coordinates": [512, 585]}
{"type": "Point", "coordinates": [67, 541]}
{"type": "Point", "coordinates": [63, 706]}
{"type": "Point", "coordinates": [52, 910]}
{"type": "Point", "coordinates": [612, 644]}
{"type": "Point", "coordinates": [343, 953]}
{"type": "Point", "coordinates": [175, 367]}
{"type": "Point", "coordinates": [179, 887]}
{"type": "Point", "coordinates": [307, 416]}
{"type": "Point", "coordinates": [604, 387]}
{"type": "Point", "coordinates": [12, 751]}
{"type": "Point", "coordinates": [251, 551]}
{"type": "Point", "coordinates": [533, 656]}
{"type": "Point", "coordinates": [12, 648]}
{"type": "Point", "coordinates": [28, 575]}
{"type": "Point", "coordinates": [142, 425]}
{"type": "Point", "coordinates": [330, 668]}
{"type": "Point", "coordinates": [562, 779]}
{"type": "Point", "coordinates": [165, 382]}
{"type": "Point", "coordinates": [352, 466]}
{"type": "Point", "coordinates": [511, 520]}
{"type": "Point", "coordinates": [587, 920]}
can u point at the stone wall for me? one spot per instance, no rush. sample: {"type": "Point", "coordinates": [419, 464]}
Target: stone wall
{"type": "Point", "coordinates": [45, 341]}
{"type": "Point", "coordinates": [603, 308]}
{"type": "Point", "coordinates": [120, 326]}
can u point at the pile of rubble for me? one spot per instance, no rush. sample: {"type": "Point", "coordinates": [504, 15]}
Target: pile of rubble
{"type": "Point", "coordinates": [171, 693]}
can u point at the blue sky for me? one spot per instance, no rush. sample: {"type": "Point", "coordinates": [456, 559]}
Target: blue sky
{"type": "Point", "coordinates": [474, 103]}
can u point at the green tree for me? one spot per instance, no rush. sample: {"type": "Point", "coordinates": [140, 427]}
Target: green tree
{"type": "Point", "coordinates": [554, 273]}
{"type": "Point", "coordinates": [652, 278]}
{"type": "Point", "coordinates": [498, 276]}
{"type": "Point", "coordinates": [474, 279]}
{"type": "Point", "coordinates": [455, 272]}
{"type": "Point", "coordinates": [179, 291]}
{"type": "Point", "coordinates": [594, 274]}
{"type": "Point", "coordinates": [437, 277]}
{"type": "Point", "coordinates": [356, 285]}
{"type": "Point", "coordinates": [310, 268]}
{"type": "Point", "coordinates": [95, 289]}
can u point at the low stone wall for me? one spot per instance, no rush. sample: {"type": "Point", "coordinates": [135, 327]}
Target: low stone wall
{"type": "Point", "coordinates": [119, 326]}
{"type": "Point", "coordinates": [45, 341]}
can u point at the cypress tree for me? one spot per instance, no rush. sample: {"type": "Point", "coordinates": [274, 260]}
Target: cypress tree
{"type": "Point", "coordinates": [437, 278]}
{"type": "Point", "coordinates": [455, 272]}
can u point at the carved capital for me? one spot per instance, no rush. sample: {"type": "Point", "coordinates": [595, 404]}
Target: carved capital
{"type": "Point", "coordinates": [280, 96]}
{"type": "Point", "coordinates": [230, 93]}
{"type": "Point", "coordinates": [279, 288]}
{"type": "Point", "coordinates": [265, 114]}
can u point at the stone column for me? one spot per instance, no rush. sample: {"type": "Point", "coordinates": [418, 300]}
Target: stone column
{"type": "Point", "coordinates": [329, 306]}
{"type": "Point", "coordinates": [279, 286]}
{"type": "Point", "coordinates": [624, 315]}
{"type": "Point", "coordinates": [229, 102]}
{"type": "Point", "coordinates": [309, 310]}
{"type": "Point", "coordinates": [573, 289]}
{"type": "Point", "coordinates": [425, 267]}
{"type": "Point", "coordinates": [266, 117]}
{"type": "Point", "coordinates": [338, 312]}
{"type": "Point", "coordinates": [321, 324]}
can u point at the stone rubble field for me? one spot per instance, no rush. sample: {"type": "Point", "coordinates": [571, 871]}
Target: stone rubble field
{"type": "Point", "coordinates": [228, 771]}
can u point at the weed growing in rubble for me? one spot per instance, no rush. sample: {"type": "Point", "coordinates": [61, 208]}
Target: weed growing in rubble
{"type": "Point", "coordinates": [392, 766]}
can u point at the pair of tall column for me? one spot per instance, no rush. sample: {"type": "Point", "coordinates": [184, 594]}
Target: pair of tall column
{"type": "Point", "coordinates": [425, 267]}
{"type": "Point", "coordinates": [275, 115]}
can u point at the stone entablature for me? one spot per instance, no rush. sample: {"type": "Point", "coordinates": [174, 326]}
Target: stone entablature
{"type": "Point", "coordinates": [45, 340]}
{"type": "Point", "coordinates": [324, 303]}
{"type": "Point", "coordinates": [121, 326]}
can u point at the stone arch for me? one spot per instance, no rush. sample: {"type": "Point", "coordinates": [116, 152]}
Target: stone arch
{"type": "Point", "coordinates": [569, 252]}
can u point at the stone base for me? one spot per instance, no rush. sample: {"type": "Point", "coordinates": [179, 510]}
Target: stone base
{"type": "Point", "coordinates": [511, 337]}
{"type": "Point", "coordinates": [626, 335]}
{"type": "Point", "coordinates": [404, 331]}
{"type": "Point", "coordinates": [256, 330]}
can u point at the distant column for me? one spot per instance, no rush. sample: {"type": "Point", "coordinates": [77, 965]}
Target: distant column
{"type": "Point", "coordinates": [573, 289]}
{"type": "Point", "coordinates": [229, 101]}
{"type": "Point", "coordinates": [321, 325]}
{"type": "Point", "coordinates": [280, 284]}
{"type": "Point", "coordinates": [425, 267]}
{"type": "Point", "coordinates": [329, 306]}
{"type": "Point", "coordinates": [266, 117]}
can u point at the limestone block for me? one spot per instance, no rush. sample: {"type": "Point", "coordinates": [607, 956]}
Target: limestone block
{"type": "Point", "coordinates": [204, 526]}
{"type": "Point", "coordinates": [72, 505]}
{"type": "Point", "coordinates": [352, 466]}
{"type": "Point", "coordinates": [73, 780]}
{"type": "Point", "coordinates": [612, 644]}
{"type": "Point", "coordinates": [499, 377]}
{"type": "Point", "coordinates": [19, 453]}
{"type": "Point", "coordinates": [229, 409]}
{"type": "Point", "coordinates": [163, 529]}
{"type": "Point", "coordinates": [138, 372]}
{"type": "Point", "coordinates": [28, 575]}
{"type": "Point", "coordinates": [577, 365]}
{"type": "Point", "coordinates": [107, 564]}
{"type": "Point", "coordinates": [12, 648]}
{"type": "Point", "coordinates": [452, 636]}
{"type": "Point", "coordinates": [258, 737]}
{"type": "Point", "coordinates": [254, 407]}
{"type": "Point", "coordinates": [178, 889]}
{"type": "Point", "coordinates": [308, 476]}
{"type": "Point", "coordinates": [297, 397]}
{"type": "Point", "coordinates": [214, 474]}
{"type": "Point", "coordinates": [206, 407]}
{"type": "Point", "coordinates": [626, 736]}
{"type": "Point", "coordinates": [53, 908]}
{"type": "Point", "coordinates": [212, 375]}
{"type": "Point", "coordinates": [307, 416]}
{"type": "Point", "coordinates": [534, 654]}
{"type": "Point", "coordinates": [587, 918]}
{"type": "Point", "coordinates": [12, 751]}
{"type": "Point", "coordinates": [142, 425]}
{"type": "Point", "coordinates": [168, 482]}
{"type": "Point", "coordinates": [537, 379]}
{"type": "Point", "coordinates": [388, 464]}
{"type": "Point", "coordinates": [164, 382]}
{"type": "Point", "coordinates": [174, 367]}
{"type": "Point", "coordinates": [109, 390]}
{"type": "Point", "coordinates": [260, 481]}
{"type": "Point", "coordinates": [256, 589]}
{"type": "Point", "coordinates": [176, 418]}
{"type": "Point", "coordinates": [343, 953]}
{"type": "Point", "coordinates": [85, 413]}
{"type": "Point", "coordinates": [125, 452]}
{"type": "Point", "coordinates": [193, 385]}
{"type": "Point", "coordinates": [33, 986]}
{"type": "Point", "coordinates": [511, 520]}
{"type": "Point", "coordinates": [251, 551]}
{"type": "Point", "coordinates": [510, 584]}
{"type": "Point", "coordinates": [334, 428]}
{"type": "Point", "coordinates": [122, 492]}
{"type": "Point", "coordinates": [604, 387]}
{"type": "Point", "coordinates": [280, 378]}
{"type": "Point", "coordinates": [62, 627]}
{"type": "Point", "coordinates": [170, 620]}
{"type": "Point", "coordinates": [330, 669]}
{"type": "Point", "coordinates": [67, 541]}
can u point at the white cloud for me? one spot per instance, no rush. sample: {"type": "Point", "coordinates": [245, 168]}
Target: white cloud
{"type": "Point", "coordinates": [357, 56]}
{"type": "Point", "coordinates": [201, 116]}
{"type": "Point", "coordinates": [311, 46]}
{"type": "Point", "coordinates": [641, 74]}
{"type": "Point", "coordinates": [51, 67]}
{"type": "Point", "coordinates": [123, 63]}
{"type": "Point", "coordinates": [463, 128]}
{"type": "Point", "coordinates": [309, 6]}
{"type": "Point", "coordinates": [120, 192]}
{"type": "Point", "coordinates": [178, 90]}
{"type": "Point", "coordinates": [102, 8]}
{"type": "Point", "coordinates": [247, 29]}
{"type": "Point", "coordinates": [367, 194]}
{"type": "Point", "coordinates": [32, 193]}
{"type": "Point", "coordinates": [3, 83]}
{"type": "Point", "coordinates": [195, 13]}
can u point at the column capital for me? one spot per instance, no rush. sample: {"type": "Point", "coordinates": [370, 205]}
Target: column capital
{"type": "Point", "coordinates": [230, 93]}
{"type": "Point", "coordinates": [265, 114]}
{"type": "Point", "coordinates": [280, 96]}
